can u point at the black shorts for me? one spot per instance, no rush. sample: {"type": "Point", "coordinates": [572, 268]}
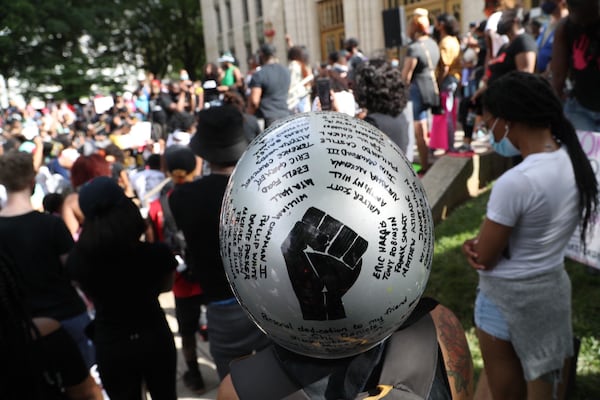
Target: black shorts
{"type": "Point", "coordinates": [187, 312]}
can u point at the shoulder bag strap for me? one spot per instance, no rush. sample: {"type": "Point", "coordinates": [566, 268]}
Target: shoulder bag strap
{"type": "Point", "coordinates": [260, 376]}
{"type": "Point", "coordinates": [431, 70]}
{"type": "Point", "coordinates": [411, 358]}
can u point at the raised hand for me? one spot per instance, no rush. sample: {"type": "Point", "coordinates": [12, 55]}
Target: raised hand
{"type": "Point", "coordinates": [323, 258]}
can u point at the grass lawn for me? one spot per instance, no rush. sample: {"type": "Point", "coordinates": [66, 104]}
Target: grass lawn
{"type": "Point", "coordinates": [453, 283]}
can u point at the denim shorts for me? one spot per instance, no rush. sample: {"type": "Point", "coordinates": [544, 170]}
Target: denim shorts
{"type": "Point", "coordinates": [419, 112]}
{"type": "Point", "coordinates": [489, 319]}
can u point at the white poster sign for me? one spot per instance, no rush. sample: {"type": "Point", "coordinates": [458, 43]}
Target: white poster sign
{"type": "Point", "coordinates": [103, 104]}
{"type": "Point", "coordinates": [138, 136]}
{"type": "Point", "coordinates": [590, 142]}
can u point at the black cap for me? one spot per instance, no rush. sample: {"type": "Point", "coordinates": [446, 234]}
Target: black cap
{"type": "Point", "coordinates": [180, 157]}
{"type": "Point", "coordinates": [220, 135]}
{"type": "Point", "coordinates": [267, 49]}
{"type": "Point", "coordinates": [99, 195]}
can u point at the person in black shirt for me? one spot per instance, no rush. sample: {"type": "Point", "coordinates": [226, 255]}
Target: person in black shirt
{"type": "Point", "coordinates": [42, 361]}
{"type": "Point", "coordinates": [576, 54]}
{"type": "Point", "coordinates": [39, 244]}
{"type": "Point", "coordinates": [519, 54]}
{"type": "Point", "coordinates": [196, 206]}
{"type": "Point", "coordinates": [161, 108]}
{"type": "Point", "coordinates": [124, 277]}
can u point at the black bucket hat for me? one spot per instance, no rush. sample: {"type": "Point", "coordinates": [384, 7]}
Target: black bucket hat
{"type": "Point", "coordinates": [220, 135]}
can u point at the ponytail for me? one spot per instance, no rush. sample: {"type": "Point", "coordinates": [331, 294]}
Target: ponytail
{"type": "Point", "coordinates": [585, 178]}
{"type": "Point", "coordinates": [529, 99]}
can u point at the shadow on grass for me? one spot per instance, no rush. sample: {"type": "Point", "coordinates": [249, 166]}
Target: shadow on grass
{"type": "Point", "coordinates": [453, 283]}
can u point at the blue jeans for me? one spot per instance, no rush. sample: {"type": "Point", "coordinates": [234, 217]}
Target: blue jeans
{"type": "Point", "coordinates": [76, 328]}
{"type": "Point", "coordinates": [232, 334]}
{"type": "Point", "coordinates": [582, 118]}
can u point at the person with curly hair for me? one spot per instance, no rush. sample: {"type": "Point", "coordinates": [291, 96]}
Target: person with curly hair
{"type": "Point", "coordinates": [379, 88]}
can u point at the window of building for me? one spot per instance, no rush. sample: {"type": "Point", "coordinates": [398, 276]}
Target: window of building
{"type": "Point", "coordinates": [331, 14]}
{"type": "Point", "coordinates": [259, 8]}
{"type": "Point", "coordinates": [331, 25]}
{"type": "Point", "coordinates": [218, 14]}
{"type": "Point", "coordinates": [229, 16]}
{"type": "Point", "coordinates": [387, 4]}
{"type": "Point", "coordinates": [245, 10]}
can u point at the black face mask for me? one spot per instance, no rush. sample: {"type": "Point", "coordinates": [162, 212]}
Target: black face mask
{"type": "Point", "coordinates": [548, 7]}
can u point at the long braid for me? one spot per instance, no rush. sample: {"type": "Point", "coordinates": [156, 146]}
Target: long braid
{"type": "Point", "coordinates": [529, 99]}
{"type": "Point", "coordinates": [585, 178]}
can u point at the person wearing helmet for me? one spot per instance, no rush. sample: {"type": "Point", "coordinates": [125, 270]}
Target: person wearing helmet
{"type": "Point", "coordinates": [327, 239]}
{"type": "Point", "coordinates": [219, 140]}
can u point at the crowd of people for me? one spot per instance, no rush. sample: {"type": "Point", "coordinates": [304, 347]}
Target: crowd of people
{"type": "Point", "coordinates": [103, 209]}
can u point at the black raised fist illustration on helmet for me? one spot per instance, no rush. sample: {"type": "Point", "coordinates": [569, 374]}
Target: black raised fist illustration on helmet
{"type": "Point", "coordinates": [323, 258]}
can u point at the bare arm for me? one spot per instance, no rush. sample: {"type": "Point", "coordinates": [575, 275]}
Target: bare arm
{"type": "Point", "coordinates": [38, 154]}
{"type": "Point", "coordinates": [71, 213]}
{"type": "Point", "coordinates": [180, 105]}
{"type": "Point", "coordinates": [456, 353]}
{"type": "Point", "coordinates": [489, 48]}
{"type": "Point", "coordinates": [410, 63]}
{"type": "Point", "coordinates": [226, 390]}
{"type": "Point", "coordinates": [484, 251]}
{"type": "Point", "coordinates": [254, 100]}
{"type": "Point", "coordinates": [525, 61]}
{"type": "Point", "coordinates": [239, 79]}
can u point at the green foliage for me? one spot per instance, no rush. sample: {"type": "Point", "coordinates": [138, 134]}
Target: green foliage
{"type": "Point", "coordinates": [453, 283]}
{"type": "Point", "coordinates": [70, 43]}
{"type": "Point", "coordinates": [165, 33]}
{"type": "Point", "coordinates": [43, 40]}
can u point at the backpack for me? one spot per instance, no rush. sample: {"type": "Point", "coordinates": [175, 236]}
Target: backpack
{"type": "Point", "coordinates": [175, 240]}
{"type": "Point", "coordinates": [412, 362]}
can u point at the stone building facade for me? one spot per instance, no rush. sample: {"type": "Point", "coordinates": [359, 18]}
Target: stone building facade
{"type": "Point", "coordinates": [240, 26]}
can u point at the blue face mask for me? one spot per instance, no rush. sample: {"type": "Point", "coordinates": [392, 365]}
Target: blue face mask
{"type": "Point", "coordinates": [504, 147]}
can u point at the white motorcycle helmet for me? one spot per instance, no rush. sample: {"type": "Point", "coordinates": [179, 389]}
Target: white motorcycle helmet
{"type": "Point", "coordinates": [326, 235]}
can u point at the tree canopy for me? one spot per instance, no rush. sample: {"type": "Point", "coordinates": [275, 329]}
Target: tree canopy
{"type": "Point", "coordinates": [76, 43]}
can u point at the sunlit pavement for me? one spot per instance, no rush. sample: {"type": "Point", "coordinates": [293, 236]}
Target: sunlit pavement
{"type": "Point", "coordinates": [207, 367]}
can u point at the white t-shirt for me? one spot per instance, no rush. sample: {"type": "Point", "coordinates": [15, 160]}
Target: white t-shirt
{"type": "Point", "coordinates": [144, 181]}
{"type": "Point", "coordinates": [539, 199]}
{"type": "Point", "coordinates": [491, 26]}
{"type": "Point", "coordinates": [344, 100]}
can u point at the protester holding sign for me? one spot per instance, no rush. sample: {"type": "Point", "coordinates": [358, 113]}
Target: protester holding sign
{"type": "Point", "coordinates": [519, 252]}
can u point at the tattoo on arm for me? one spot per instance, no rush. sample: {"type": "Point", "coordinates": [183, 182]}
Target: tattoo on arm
{"type": "Point", "coordinates": [457, 356]}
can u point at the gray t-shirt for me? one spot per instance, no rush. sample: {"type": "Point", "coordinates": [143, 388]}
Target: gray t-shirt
{"type": "Point", "coordinates": [419, 49]}
{"type": "Point", "coordinates": [274, 80]}
{"type": "Point", "coordinates": [396, 128]}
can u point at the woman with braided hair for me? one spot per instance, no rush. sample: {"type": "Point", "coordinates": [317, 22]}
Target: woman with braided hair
{"type": "Point", "coordinates": [523, 305]}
